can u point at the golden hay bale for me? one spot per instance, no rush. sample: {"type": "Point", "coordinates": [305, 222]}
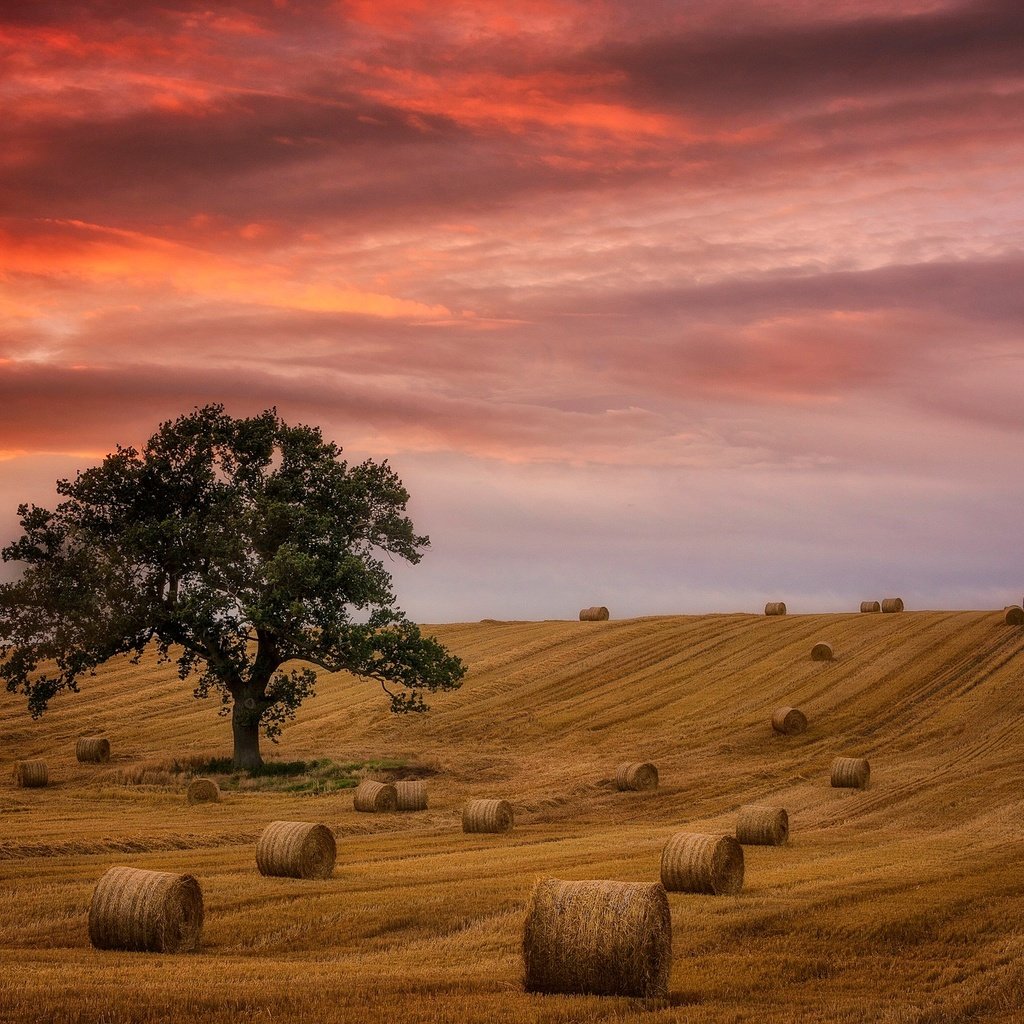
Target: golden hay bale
{"type": "Point", "coordinates": [31, 774]}
{"type": "Point", "coordinates": [892, 604]}
{"type": "Point", "coordinates": [487, 816]}
{"type": "Point", "coordinates": [412, 795]}
{"type": "Point", "coordinates": [870, 606]}
{"type": "Point", "coordinates": [789, 721]}
{"type": "Point", "coordinates": [598, 938]}
{"type": "Point", "coordinates": [296, 849]}
{"type": "Point", "coordinates": [151, 911]}
{"type": "Point", "coordinates": [596, 614]}
{"type": "Point", "coordinates": [850, 773]}
{"type": "Point", "coordinates": [202, 791]}
{"type": "Point", "coordinates": [697, 862]}
{"type": "Point", "coordinates": [821, 652]}
{"type": "Point", "coordinates": [758, 825]}
{"type": "Point", "coordinates": [1014, 615]}
{"type": "Point", "coordinates": [636, 775]}
{"type": "Point", "coordinates": [775, 608]}
{"type": "Point", "coordinates": [373, 796]}
{"type": "Point", "coordinates": [93, 749]}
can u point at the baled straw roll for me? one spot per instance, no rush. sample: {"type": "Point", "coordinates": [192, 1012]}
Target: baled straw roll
{"type": "Point", "coordinates": [146, 911]}
{"type": "Point", "coordinates": [600, 938]}
{"type": "Point", "coordinates": [698, 862]}
{"type": "Point", "coordinates": [296, 849]}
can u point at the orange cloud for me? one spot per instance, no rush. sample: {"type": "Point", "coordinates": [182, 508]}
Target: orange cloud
{"type": "Point", "coordinates": [101, 255]}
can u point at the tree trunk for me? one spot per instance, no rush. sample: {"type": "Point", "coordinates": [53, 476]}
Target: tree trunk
{"type": "Point", "coordinates": [245, 726]}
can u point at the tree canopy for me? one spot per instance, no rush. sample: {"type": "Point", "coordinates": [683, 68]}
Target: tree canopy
{"type": "Point", "coordinates": [235, 547]}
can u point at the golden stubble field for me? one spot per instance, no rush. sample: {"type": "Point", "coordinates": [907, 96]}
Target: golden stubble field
{"type": "Point", "coordinates": [900, 904]}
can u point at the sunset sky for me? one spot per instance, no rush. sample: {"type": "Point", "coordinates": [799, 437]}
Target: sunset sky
{"type": "Point", "coordinates": [669, 306]}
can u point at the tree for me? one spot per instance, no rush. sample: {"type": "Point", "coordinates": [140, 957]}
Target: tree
{"type": "Point", "coordinates": [236, 547]}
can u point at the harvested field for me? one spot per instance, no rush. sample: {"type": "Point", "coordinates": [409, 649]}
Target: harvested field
{"type": "Point", "coordinates": [899, 904]}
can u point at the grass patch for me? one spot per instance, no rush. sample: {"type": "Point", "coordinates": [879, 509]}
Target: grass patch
{"type": "Point", "coordinates": [315, 777]}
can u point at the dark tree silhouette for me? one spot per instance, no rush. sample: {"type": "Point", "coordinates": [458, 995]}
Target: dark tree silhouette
{"type": "Point", "coordinates": [238, 547]}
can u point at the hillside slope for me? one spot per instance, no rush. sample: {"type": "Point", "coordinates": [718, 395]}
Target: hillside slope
{"type": "Point", "coordinates": [900, 904]}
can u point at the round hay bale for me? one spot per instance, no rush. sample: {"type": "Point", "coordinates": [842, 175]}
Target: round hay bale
{"type": "Point", "coordinates": [697, 862]}
{"type": "Point", "coordinates": [296, 849]}
{"type": "Point", "coordinates": [487, 816]}
{"type": "Point", "coordinates": [146, 911]}
{"type": "Point", "coordinates": [758, 825]}
{"type": "Point", "coordinates": [412, 795]}
{"type": "Point", "coordinates": [870, 606]}
{"type": "Point", "coordinates": [93, 749]}
{"type": "Point", "coordinates": [596, 614]}
{"type": "Point", "coordinates": [31, 774]}
{"type": "Point", "coordinates": [598, 938]}
{"type": "Point", "coordinates": [636, 775]}
{"type": "Point", "coordinates": [789, 721]}
{"type": "Point", "coordinates": [202, 791]}
{"type": "Point", "coordinates": [850, 773]}
{"type": "Point", "coordinates": [821, 652]}
{"type": "Point", "coordinates": [1014, 615]}
{"type": "Point", "coordinates": [372, 797]}
{"type": "Point", "coordinates": [775, 608]}
{"type": "Point", "coordinates": [892, 604]}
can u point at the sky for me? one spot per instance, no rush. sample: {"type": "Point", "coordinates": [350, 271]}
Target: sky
{"type": "Point", "coordinates": [669, 306]}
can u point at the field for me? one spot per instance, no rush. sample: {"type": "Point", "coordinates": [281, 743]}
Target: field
{"type": "Point", "coordinates": [900, 904]}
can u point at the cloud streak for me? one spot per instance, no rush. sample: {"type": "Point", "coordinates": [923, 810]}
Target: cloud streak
{"type": "Point", "coordinates": [686, 245]}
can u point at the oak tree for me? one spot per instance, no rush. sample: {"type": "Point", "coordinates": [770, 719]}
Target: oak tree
{"type": "Point", "coordinates": [247, 550]}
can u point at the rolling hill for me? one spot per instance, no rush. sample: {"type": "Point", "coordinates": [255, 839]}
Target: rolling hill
{"type": "Point", "coordinates": [902, 903]}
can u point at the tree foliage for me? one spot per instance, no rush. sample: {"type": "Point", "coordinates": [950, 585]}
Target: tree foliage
{"type": "Point", "coordinates": [235, 546]}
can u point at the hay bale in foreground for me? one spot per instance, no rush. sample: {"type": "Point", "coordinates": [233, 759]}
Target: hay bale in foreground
{"type": "Point", "coordinates": [596, 614]}
{"type": "Point", "coordinates": [1014, 615]}
{"type": "Point", "coordinates": [487, 816]}
{"type": "Point", "coordinates": [598, 938]}
{"type": "Point", "coordinates": [296, 849]}
{"type": "Point", "coordinates": [698, 862]}
{"type": "Point", "coordinates": [892, 604]}
{"type": "Point", "coordinates": [202, 791]}
{"type": "Point", "coordinates": [412, 795]}
{"type": "Point", "coordinates": [146, 911]}
{"type": "Point", "coordinates": [758, 825]}
{"type": "Point", "coordinates": [636, 775]}
{"type": "Point", "coordinates": [870, 606]}
{"type": "Point", "coordinates": [821, 652]}
{"type": "Point", "coordinates": [789, 721]}
{"type": "Point", "coordinates": [93, 749]}
{"type": "Point", "coordinates": [775, 608]}
{"type": "Point", "coordinates": [31, 774]}
{"type": "Point", "coordinates": [373, 797]}
{"type": "Point", "coordinates": [850, 773]}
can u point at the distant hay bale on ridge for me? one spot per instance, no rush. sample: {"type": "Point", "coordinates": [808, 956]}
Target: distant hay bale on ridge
{"type": "Point", "coordinates": [146, 911]}
{"type": "Point", "coordinates": [759, 825]}
{"type": "Point", "coordinates": [1014, 615]}
{"type": "Point", "coordinates": [596, 614]}
{"type": "Point", "coordinates": [870, 606]}
{"type": "Point", "coordinates": [202, 791]}
{"type": "Point", "coordinates": [698, 862]}
{"type": "Point", "coordinates": [775, 608]}
{"type": "Point", "coordinates": [93, 749]}
{"type": "Point", "coordinates": [31, 774]}
{"type": "Point", "coordinates": [487, 816]}
{"type": "Point", "coordinates": [412, 795]}
{"type": "Point", "coordinates": [821, 652]}
{"type": "Point", "coordinates": [850, 773]}
{"type": "Point", "coordinates": [789, 721]}
{"type": "Point", "coordinates": [373, 797]}
{"type": "Point", "coordinates": [892, 604]}
{"type": "Point", "coordinates": [296, 849]}
{"type": "Point", "coordinates": [600, 938]}
{"type": "Point", "coordinates": [636, 776]}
